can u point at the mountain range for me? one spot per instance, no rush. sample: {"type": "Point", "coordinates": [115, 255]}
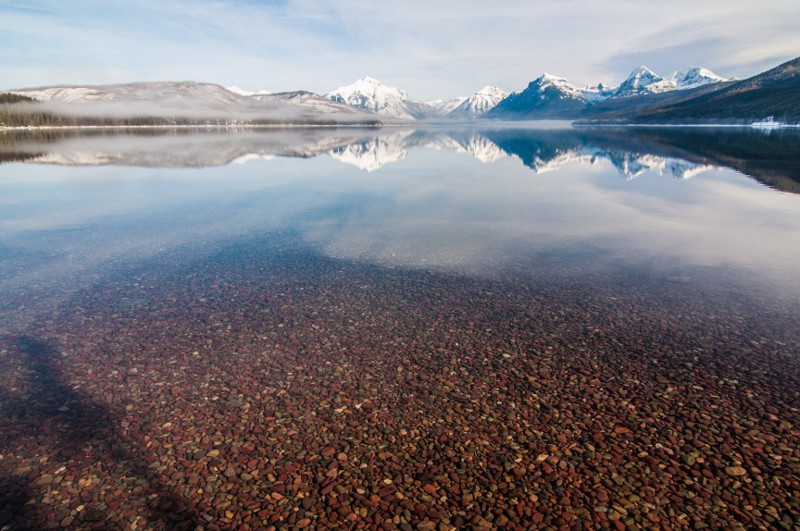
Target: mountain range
{"type": "Point", "coordinates": [554, 97]}
{"type": "Point", "coordinates": [697, 95]}
{"type": "Point", "coordinates": [370, 94]}
{"type": "Point", "coordinates": [172, 103]}
{"type": "Point", "coordinates": [774, 93]}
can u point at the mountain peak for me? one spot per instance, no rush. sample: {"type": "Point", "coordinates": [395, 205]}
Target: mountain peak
{"type": "Point", "coordinates": [642, 76]}
{"type": "Point", "coordinates": [697, 76]}
{"type": "Point", "coordinates": [550, 77]}
{"type": "Point", "coordinates": [549, 82]}
{"type": "Point", "coordinates": [642, 80]}
{"type": "Point", "coordinates": [548, 96]}
{"type": "Point", "coordinates": [489, 89]}
{"type": "Point", "coordinates": [699, 70]}
{"type": "Point", "coordinates": [643, 70]}
{"type": "Point", "coordinates": [479, 103]}
{"type": "Point", "coordinates": [371, 94]}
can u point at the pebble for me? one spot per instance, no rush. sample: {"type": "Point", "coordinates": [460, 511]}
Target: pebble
{"type": "Point", "coordinates": [421, 402]}
{"type": "Point", "coordinates": [735, 471]}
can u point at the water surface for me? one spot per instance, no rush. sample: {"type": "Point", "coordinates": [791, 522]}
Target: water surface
{"type": "Point", "coordinates": [509, 327]}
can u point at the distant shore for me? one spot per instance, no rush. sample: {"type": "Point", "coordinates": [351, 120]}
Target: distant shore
{"type": "Point", "coordinates": [377, 125]}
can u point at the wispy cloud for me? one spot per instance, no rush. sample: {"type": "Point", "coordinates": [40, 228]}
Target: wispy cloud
{"type": "Point", "coordinates": [432, 49]}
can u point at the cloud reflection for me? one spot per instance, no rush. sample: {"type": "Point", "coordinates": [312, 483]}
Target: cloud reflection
{"type": "Point", "coordinates": [438, 206]}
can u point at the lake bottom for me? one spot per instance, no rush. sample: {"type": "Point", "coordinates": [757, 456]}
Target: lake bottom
{"type": "Point", "coordinates": [267, 386]}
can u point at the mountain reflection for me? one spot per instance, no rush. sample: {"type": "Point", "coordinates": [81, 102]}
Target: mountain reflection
{"type": "Point", "coordinates": [679, 153]}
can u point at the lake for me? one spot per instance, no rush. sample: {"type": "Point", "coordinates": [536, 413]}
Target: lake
{"type": "Point", "coordinates": [433, 328]}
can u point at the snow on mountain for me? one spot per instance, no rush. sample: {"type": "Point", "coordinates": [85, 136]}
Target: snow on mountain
{"type": "Point", "coordinates": [597, 93]}
{"type": "Point", "coordinates": [643, 81]}
{"type": "Point", "coordinates": [554, 97]}
{"type": "Point", "coordinates": [440, 107]}
{"type": "Point", "coordinates": [370, 94]}
{"type": "Point", "coordinates": [479, 103]}
{"type": "Point", "coordinates": [242, 92]}
{"type": "Point", "coordinates": [546, 97]}
{"type": "Point", "coordinates": [697, 76]}
{"type": "Point", "coordinates": [547, 80]}
{"type": "Point", "coordinates": [590, 94]}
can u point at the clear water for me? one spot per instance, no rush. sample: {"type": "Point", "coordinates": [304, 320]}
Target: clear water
{"type": "Point", "coordinates": [196, 288]}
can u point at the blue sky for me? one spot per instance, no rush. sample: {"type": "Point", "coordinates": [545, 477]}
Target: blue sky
{"type": "Point", "coordinates": [431, 49]}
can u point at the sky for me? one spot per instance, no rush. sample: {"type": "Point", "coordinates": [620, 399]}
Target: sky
{"type": "Point", "coordinates": [430, 49]}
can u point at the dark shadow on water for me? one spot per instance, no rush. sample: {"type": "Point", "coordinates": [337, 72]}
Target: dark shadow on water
{"type": "Point", "coordinates": [81, 424]}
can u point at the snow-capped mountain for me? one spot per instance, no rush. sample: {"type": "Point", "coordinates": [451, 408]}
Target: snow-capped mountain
{"type": "Point", "coordinates": [554, 97]}
{"type": "Point", "coordinates": [546, 97]}
{"type": "Point", "coordinates": [597, 93]}
{"type": "Point", "coordinates": [442, 107]}
{"type": "Point", "coordinates": [479, 103]}
{"type": "Point", "coordinates": [189, 100]}
{"type": "Point", "coordinates": [643, 81]}
{"type": "Point", "coordinates": [370, 94]}
{"type": "Point", "coordinates": [697, 76]}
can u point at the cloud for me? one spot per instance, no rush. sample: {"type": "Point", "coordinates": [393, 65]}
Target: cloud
{"type": "Point", "coordinates": [738, 50]}
{"type": "Point", "coordinates": [431, 49]}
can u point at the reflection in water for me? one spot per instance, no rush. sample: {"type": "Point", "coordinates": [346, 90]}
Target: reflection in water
{"type": "Point", "coordinates": [682, 153]}
{"type": "Point", "coordinates": [436, 210]}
